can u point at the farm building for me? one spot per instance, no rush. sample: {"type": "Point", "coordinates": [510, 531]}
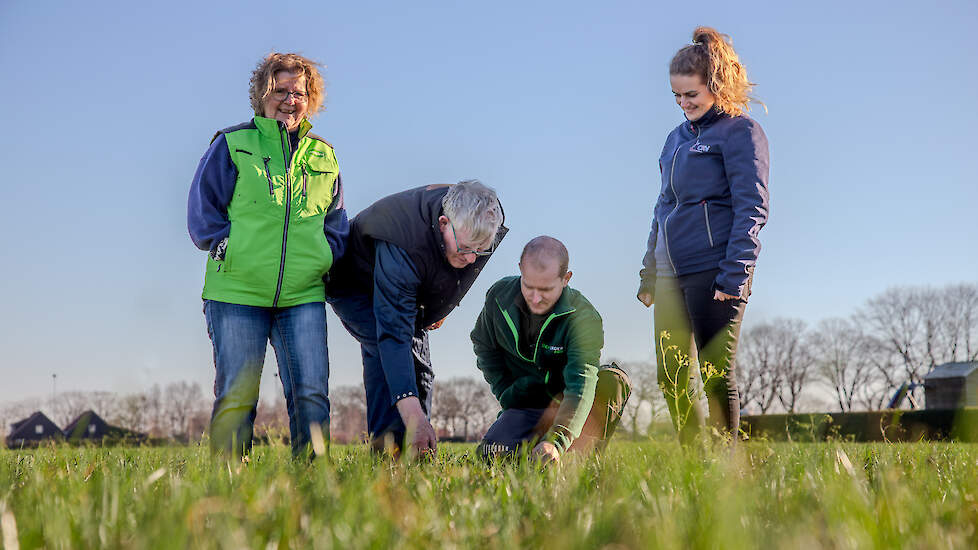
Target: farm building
{"type": "Point", "coordinates": [32, 430]}
{"type": "Point", "coordinates": [952, 385]}
{"type": "Point", "coordinates": [91, 427]}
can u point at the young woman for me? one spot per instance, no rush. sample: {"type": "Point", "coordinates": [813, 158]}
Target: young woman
{"type": "Point", "coordinates": [703, 244]}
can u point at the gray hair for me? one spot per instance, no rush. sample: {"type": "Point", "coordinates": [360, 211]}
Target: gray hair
{"type": "Point", "coordinates": [474, 206]}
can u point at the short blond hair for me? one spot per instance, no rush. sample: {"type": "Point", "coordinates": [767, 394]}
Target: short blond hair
{"type": "Point", "coordinates": [263, 80]}
{"type": "Point", "coordinates": [711, 56]}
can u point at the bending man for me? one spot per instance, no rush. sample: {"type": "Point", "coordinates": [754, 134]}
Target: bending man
{"type": "Point", "coordinates": [538, 343]}
{"type": "Point", "coordinates": [411, 258]}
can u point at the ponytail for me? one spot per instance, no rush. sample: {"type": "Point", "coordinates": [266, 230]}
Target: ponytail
{"type": "Point", "coordinates": [712, 57]}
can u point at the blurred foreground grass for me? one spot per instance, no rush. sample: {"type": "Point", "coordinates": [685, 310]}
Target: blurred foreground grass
{"type": "Point", "coordinates": [636, 495]}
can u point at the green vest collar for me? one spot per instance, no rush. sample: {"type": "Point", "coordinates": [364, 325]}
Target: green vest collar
{"type": "Point", "coordinates": [269, 127]}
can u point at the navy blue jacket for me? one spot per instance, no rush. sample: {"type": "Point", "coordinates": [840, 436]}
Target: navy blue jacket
{"type": "Point", "coordinates": [713, 200]}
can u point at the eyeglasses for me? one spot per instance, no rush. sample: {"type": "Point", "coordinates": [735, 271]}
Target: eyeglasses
{"type": "Point", "coordinates": [463, 251]}
{"type": "Point", "coordinates": [282, 95]}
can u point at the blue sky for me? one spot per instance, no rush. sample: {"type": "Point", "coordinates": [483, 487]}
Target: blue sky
{"type": "Point", "coordinates": [561, 106]}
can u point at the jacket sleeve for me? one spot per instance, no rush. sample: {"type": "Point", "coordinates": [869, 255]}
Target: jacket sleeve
{"type": "Point", "coordinates": [336, 225]}
{"type": "Point", "coordinates": [584, 343]}
{"type": "Point", "coordinates": [646, 275]}
{"type": "Point", "coordinates": [488, 356]}
{"type": "Point", "coordinates": [745, 159]}
{"type": "Point", "coordinates": [395, 308]}
{"type": "Point", "coordinates": [210, 195]}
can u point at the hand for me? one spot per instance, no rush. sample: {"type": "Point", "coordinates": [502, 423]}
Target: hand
{"type": "Point", "coordinates": [645, 298]}
{"type": "Point", "coordinates": [720, 296]}
{"type": "Point", "coordinates": [546, 452]}
{"type": "Point", "coordinates": [419, 430]}
{"type": "Point", "coordinates": [436, 324]}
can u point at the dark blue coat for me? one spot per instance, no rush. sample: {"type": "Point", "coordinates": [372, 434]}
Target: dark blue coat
{"type": "Point", "coordinates": [713, 200]}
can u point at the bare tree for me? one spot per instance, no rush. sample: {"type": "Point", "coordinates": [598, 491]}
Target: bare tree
{"type": "Point", "coordinates": [759, 377]}
{"type": "Point", "coordinates": [348, 412]}
{"type": "Point", "coordinates": [923, 327]}
{"type": "Point", "coordinates": [181, 402]}
{"type": "Point", "coordinates": [272, 417]}
{"type": "Point", "coordinates": [960, 301]}
{"type": "Point", "coordinates": [463, 406]}
{"type": "Point", "coordinates": [844, 357]}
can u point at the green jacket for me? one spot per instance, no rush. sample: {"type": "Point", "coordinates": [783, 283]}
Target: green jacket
{"type": "Point", "coordinates": [277, 253]}
{"type": "Point", "coordinates": [565, 360]}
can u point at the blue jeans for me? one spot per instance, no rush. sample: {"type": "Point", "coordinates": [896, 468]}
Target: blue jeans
{"type": "Point", "coordinates": [240, 335]}
{"type": "Point", "coordinates": [356, 311]}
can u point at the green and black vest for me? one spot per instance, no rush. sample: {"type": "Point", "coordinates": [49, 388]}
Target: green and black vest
{"type": "Point", "coordinates": [277, 253]}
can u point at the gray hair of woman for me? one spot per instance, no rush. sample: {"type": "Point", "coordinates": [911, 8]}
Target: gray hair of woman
{"type": "Point", "coordinates": [474, 206]}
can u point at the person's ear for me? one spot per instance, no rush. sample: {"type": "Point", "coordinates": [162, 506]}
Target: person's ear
{"type": "Point", "coordinates": [567, 277]}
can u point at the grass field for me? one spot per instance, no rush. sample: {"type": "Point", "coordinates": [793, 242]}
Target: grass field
{"type": "Point", "coordinates": [637, 495]}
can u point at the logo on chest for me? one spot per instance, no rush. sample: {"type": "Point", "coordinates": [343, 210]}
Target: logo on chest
{"type": "Point", "coordinates": [699, 148]}
{"type": "Point", "coordinates": [552, 349]}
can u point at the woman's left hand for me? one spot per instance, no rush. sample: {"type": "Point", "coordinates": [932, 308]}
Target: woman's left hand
{"type": "Point", "coordinates": [720, 296]}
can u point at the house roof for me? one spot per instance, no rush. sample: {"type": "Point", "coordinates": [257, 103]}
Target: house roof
{"type": "Point", "coordinates": [85, 419]}
{"type": "Point", "coordinates": [21, 429]}
{"type": "Point", "coordinates": [952, 370]}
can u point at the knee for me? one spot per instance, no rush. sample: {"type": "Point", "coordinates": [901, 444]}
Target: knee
{"type": "Point", "coordinates": [613, 381]}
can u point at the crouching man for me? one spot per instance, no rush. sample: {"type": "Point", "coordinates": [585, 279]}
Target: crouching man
{"type": "Point", "coordinates": [538, 344]}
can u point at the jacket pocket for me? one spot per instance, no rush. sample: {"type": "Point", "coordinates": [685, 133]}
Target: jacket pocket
{"type": "Point", "coordinates": [706, 216]}
{"type": "Point", "coordinates": [318, 178]}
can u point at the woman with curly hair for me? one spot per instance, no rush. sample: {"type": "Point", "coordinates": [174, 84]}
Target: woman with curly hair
{"type": "Point", "coordinates": [267, 204]}
{"type": "Point", "coordinates": [703, 244]}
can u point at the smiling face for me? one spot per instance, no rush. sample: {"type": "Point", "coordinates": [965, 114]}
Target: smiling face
{"type": "Point", "coordinates": [541, 284]}
{"type": "Point", "coordinates": [692, 95]}
{"type": "Point", "coordinates": [287, 101]}
{"type": "Point", "coordinates": [460, 249]}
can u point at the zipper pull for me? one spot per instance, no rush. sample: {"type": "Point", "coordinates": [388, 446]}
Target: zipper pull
{"type": "Point", "coordinates": [304, 175]}
{"type": "Point", "coordinates": [268, 174]}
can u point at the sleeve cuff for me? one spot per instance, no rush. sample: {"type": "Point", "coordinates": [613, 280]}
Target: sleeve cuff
{"type": "Point", "coordinates": [403, 395]}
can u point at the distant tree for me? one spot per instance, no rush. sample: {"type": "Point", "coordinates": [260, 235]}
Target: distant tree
{"type": "Point", "coordinates": [795, 360]}
{"type": "Point", "coordinates": [348, 414]}
{"type": "Point", "coordinates": [759, 377]}
{"type": "Point", "coordinates": [272, 417]}
{"type": "Point", "coordinates": [845, 364]}
{"type": "Point", "coordinates": [923, 327]}
{"type": "Point", "coordinates": [181, 402]}
{"type": "Point", "coordinates": [463, 406]}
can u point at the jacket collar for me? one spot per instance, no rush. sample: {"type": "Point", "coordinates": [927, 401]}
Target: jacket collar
{"type": "Point", "coordinates": [269, 127]}
{"type": "Point", "coordinates": [710, 117]}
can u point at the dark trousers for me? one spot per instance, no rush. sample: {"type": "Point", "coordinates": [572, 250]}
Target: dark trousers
{"type": "Point", "coordinates": [384, 423]}
{"type": "Point", "coordinates": [694, 330]}
{"type": "Point", "coordinates": [514, 428]}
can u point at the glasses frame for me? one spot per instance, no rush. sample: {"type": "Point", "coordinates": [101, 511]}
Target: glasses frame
{"type": "Point", "coordinates": [299, 97]}
{"type": "Point", "coordinates": [464, 251]}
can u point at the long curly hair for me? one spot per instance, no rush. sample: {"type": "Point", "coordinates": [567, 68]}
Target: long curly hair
{"type": "Point", "coordinates": [263, 80]}
{"type": "Point", "coordinates": [712, 57]}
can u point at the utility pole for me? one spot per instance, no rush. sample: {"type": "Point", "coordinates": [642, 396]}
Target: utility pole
{"type": "Point", "coordinates": [54, 387]}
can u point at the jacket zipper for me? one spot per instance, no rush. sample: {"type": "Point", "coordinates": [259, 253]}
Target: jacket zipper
{"type": "Point", "coordinates": [706, 215]}
{"type": "Point", "coordinates": [287, 152]}
{"type": "Point", "coordinates": [516, 334]}
{"type": "Point", "coordinates": [665, 222]}
{"type": "Point", "coordinates": [304, 176]}
{"type": "Point", "coordinates": [268, 174]}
